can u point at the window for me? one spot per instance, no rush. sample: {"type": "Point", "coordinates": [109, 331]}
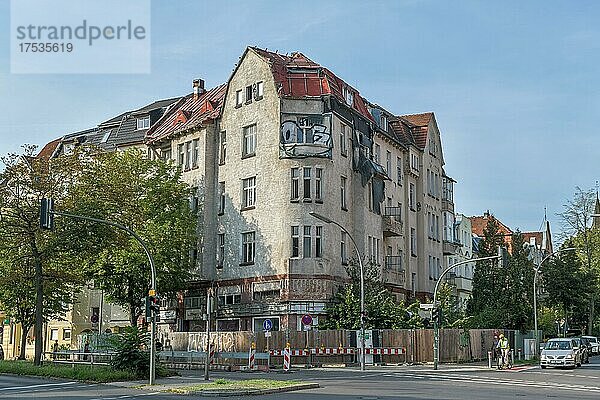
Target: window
{"type": "Point", "coordinates": [221, 250]}
{"type": "Point", "coordinates": [307, 242]}
{"type": "Point", "coordinates": [143, 122]}
{"type": "Point", "coordinates": [221, 198]}
{"type": "Point", "coordinates": [414, 162]}
{"type": "Point", "coordinates": [249, 192]}
{"type": "Point", "coordinates": [437, 228]}
{"type": "Point", "coordinates": [388, 163]}
{"type": "Point", "coordinates": [318, 185]}
{"type": "Point", "coordinates": [411, 196]}
{"type": "Point", "coordinates": [306, 185]}
{"type": "Point", "coordinates": [370, 195]}
{"type": "Point", "coordinates": [248, 94]}
{"type": "Point", "coordinates": [343, 148]}
{"type": "Point", "coordinates": [196, 153]}
{"type": "Point", "coordinates": [238, 98]}
{"type": "Point", "coordinates": [248, 248]}
{"type": "Point", "coordinates": [53, 334]}
{"type": "Point", "coordinates": [222, 147]}
{"type": "Point", "coordinates": [259, 90]}
{"type": "Point", "coordinates": [343, 193]}
{"type": "Point", "coordinates": [413, 242]}
{"type": "Point", "coordinates": [66, 333]}
{"type": "Point", "coordinates": [295, 241]}
{"type": "Point", "coordinates": [430, 265]}
{"type": "Point", "coordinates": [399, 170]}
{"type": "Point", "coordinates": [229, 299]}
{"type": "Point", "coordinates": [249, 145]}
{"type": "Point", "coordinates": [377, 153]}
{"type": "Point", "coordinates": [318, 241]}
{"type": "Point", "coordinates": [295, 190]}
{"type": "Point", "coordinates": [348, 96]}
{"type": "Point", "coordinates": [383, 123]}
{"type": "Point", "coordinates": [188, 154]}
{"type": "Point", "coordinates": [180, 155]}
{"type": "Point", "coordinates": [343, 249]}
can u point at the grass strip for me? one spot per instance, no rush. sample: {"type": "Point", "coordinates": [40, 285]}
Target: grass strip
{"type": "Point", "coordinates": [83, 373]}
{"type": "Point", "coordinates": [227, 385]}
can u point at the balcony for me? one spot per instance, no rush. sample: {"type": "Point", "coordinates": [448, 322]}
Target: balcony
{"type": "Point", "coordinates": [392, 221]}
{"type": "Point", "coordinates": [450, 248]}
{"type": "Point", "coordinates": [460, 283]}
{"type": "Point", "coordinates": [447, 205]}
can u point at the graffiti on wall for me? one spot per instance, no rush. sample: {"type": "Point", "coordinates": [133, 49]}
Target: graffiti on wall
{"type": "Point", "coordinates": [222, 341]}
{"type": "Point", "coordinates": [306, 136]}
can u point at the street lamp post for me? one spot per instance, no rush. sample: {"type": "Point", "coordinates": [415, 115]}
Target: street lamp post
{"type": "Point", "coordinates": [535, 275]}
{"type": "Point", "coordinates": [436, 328]}
{"type": "Point", "coordinates": [362, 285]}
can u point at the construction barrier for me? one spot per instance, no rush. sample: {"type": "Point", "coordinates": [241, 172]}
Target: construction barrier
{"type": "Point", "coordinates": [336, 352]}
{"type": "Point", "coordinates": [286, 359]}
{"type": "Point", "coordinates": [251, 356]}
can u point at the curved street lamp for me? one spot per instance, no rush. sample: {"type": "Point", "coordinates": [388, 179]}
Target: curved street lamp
{"type": "Point", "coordinates": [362, 285]}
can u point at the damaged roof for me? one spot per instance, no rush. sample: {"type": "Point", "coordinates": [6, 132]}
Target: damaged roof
{"type": "Point", "coordinates": [420, 128]}
{"type": "Point", "coordinates": [188, 114]}
{"type": "Point", "coordinates": [297, 76]}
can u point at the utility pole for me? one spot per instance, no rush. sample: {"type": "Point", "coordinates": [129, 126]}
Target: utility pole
{"type": "Point", "coordinates": [208, 311]}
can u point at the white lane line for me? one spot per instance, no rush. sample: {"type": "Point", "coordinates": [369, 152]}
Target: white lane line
{"type": "Point", "coordinates": [496, 381]}
{"type": "Point", "coordinates": [38, 386]}
{"type": "Point", "coordinates": [128, 396]}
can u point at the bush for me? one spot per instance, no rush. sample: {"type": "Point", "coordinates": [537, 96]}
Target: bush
{"type": "Point", "coordinates": [84, 373]}
{"type": "Point", "coordinates": [131, 348]}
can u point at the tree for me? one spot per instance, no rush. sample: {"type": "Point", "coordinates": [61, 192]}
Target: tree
{"type": "Point", "coordinates": [382, 310]}
{"type": "Point", "coordinates": [516, 299]}
{"type": "Point", "coordinates": [36, 281]}
{"type": "Point", "coordinates": [453, 316]}
{"type": "Point", "coordinates": [488, 281]}
{"type": "Point", "coordinates": [568, 285]}
{"type": "Point", "coordinates": [575, 222]}
{"type": "Point", "coordinates": [148, 197]}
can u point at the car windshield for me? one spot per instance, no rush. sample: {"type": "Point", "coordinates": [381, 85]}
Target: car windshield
{"type": "Point", "coordinates": [592, 339]}
{"type": "Point", "coordinates": [558, 345]}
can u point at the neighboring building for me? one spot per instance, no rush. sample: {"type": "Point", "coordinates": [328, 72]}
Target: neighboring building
{"type": "Point", "coordinates": [461, 278]}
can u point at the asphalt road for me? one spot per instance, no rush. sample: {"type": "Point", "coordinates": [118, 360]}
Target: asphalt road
{"type": "Point", "coordinates": [418, 382]}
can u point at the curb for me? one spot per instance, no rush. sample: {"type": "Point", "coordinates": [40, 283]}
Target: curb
{"type": "Point", "coordinates": [248, 392]}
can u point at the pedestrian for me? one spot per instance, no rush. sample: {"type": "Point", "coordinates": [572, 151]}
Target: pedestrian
{"type": "Point", "coordinates": [86, 349]}
{"type": "Point", "coordinates": [54, 349]}
{"type": "Point", "coordinates": [1, 353]}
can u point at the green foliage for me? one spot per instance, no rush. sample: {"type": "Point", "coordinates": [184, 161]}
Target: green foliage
{"type": "Point", "coordinates": [569, 286]}
{"type": "Point", "coordinates": [453, 316]}
{"type": "Point", "coordinates": [131, 348]}
{"type": "Point", "coordinates": [25, 181]}
{"type": "Point", "coordinates": [148, 197]}
{"type": "Point", "coordinates": [382, 310]}
{"type": "Point", "coordinates": [83, 373]}
{"type": "Point", "coordinates": [502, 295]}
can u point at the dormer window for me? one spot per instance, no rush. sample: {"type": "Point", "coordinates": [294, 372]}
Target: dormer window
{"type": "Point", "coordinates": [383, 122]}
{"type": "Point", "coordinates": [143, 122]}
{"type": "Point", "coordinates": [348, 96]}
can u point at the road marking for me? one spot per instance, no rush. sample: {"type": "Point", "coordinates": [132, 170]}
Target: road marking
{"type": "Point", "coordinates": [38, 386]}
{"type": "Point", "coordinates": [128, 396]}
{"type": "Point", "coordinates": [503, 381]}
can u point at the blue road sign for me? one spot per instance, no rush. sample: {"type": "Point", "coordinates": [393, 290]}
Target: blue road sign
{"type": "Point", "coordinates": [267, 325]}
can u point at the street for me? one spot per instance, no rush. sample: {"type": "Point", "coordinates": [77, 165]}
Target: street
{"type": "Point", "coordinates": [404, 382]}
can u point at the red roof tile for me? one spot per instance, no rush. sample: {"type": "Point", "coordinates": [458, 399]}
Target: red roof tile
{"type": "Point", "coordinates": [297, 76]}
{"type": "Point", "coordinates": [479, 223]}
{"type": "Point", "coordinates": [187, 114]}
{"type": "Point", "coordinates": [421, 121]}
{"type": "Point", "coordinates": [48, 150]}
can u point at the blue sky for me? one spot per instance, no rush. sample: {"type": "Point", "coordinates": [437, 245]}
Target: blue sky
{"type": "Point", "coordinates": [514, 85]}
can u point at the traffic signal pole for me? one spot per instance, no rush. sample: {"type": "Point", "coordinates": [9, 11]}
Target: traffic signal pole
{"type": "Point", "coordinates": [152, 292]}
{"type": "Point", "coordinates": [436, 325]}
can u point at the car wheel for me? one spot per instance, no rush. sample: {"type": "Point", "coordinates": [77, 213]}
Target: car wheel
{"type": "Point", "coordinates": [543, 366]}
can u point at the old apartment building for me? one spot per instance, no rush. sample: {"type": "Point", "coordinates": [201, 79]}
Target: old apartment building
{"type": "Point", "coordinates": [286, 136]}
{"type": "Point", "coordinates": [283, 137]}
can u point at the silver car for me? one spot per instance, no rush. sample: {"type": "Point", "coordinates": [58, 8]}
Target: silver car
{"type": "Point", "coordinates": [560, 352]}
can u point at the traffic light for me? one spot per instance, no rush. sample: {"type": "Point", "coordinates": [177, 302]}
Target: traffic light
{"type": "Point", "coordinates": [47, 214]}
{"type": "Point", "coordinates": [152, 306]}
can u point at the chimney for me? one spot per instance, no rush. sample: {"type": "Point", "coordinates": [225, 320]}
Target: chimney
{"type": "Point", "coordinates": [198, 85]}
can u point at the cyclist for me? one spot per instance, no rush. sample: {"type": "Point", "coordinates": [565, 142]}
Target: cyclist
{"type": "Point", "coordinates": [504, 347]}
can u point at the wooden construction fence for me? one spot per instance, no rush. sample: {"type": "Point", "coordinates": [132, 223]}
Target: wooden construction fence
{"type": "Point", "coordinates": [455, 345]}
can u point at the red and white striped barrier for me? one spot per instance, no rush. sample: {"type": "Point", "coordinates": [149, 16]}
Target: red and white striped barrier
{"type": "Point", "coordinates": [286, 359]}
{"type": "Point", "coordinates": [212, 354]}
{"type": "Point", "coordinates": [340, 351]}
{"type": "Point", "coordinates": [251, 357]}
{"type": "Point", "coordinates": [386, 351]}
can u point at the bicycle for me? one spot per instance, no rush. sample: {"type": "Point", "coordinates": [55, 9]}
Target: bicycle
{"type": "Point", "coordinates": [503, 357]}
